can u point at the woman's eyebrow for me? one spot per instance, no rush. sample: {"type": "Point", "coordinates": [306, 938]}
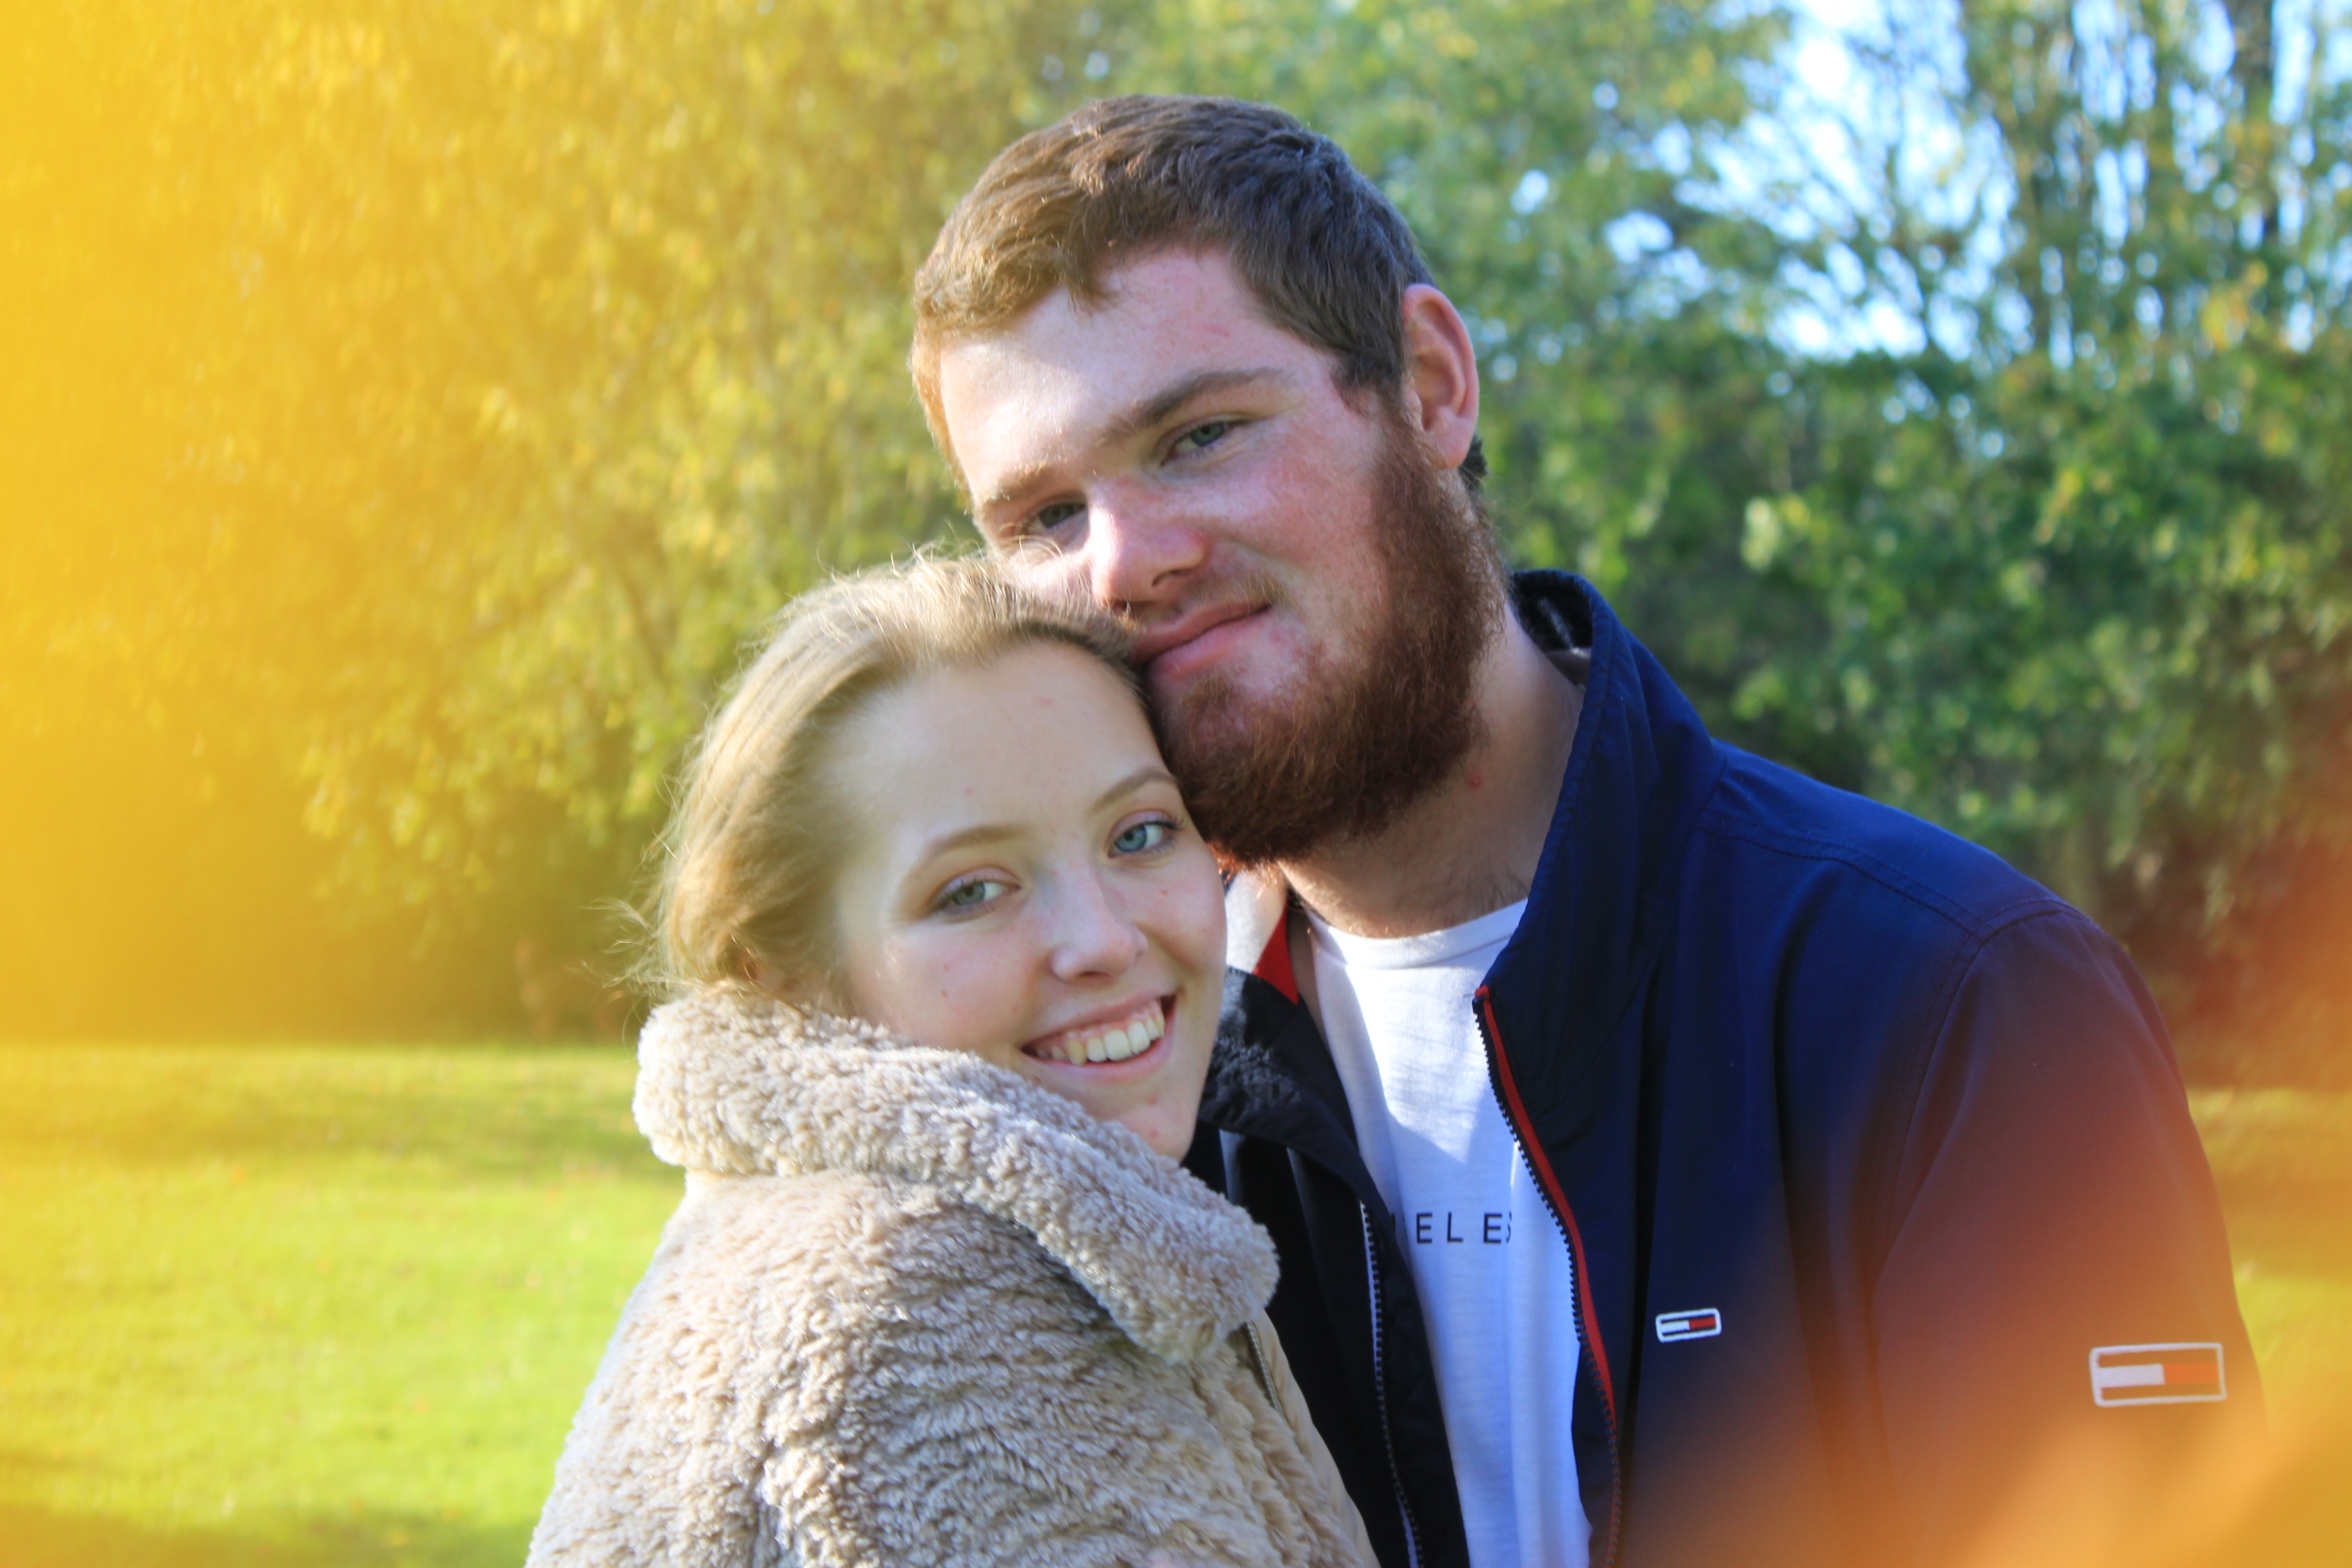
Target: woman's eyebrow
{"type": "Point", "coordinates": [1133, 782]}
{"type": "Point", "coordinates": [991, 832]}
{"type": "Point", "coordinates": [964, 837]}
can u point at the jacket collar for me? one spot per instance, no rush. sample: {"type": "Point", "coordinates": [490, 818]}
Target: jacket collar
{"type": "Point", "coordinates": [741, 1086]}
{"type": "Point", "coordinates": [1271, 1075]}
{"type": "Point", "coordinates": [1639, 773]}
{"type": "Point", "coordinates": [1642, 770]}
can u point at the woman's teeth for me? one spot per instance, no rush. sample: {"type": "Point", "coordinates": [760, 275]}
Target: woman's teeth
{"type": "Point", "coordinates": [1129, 1036]}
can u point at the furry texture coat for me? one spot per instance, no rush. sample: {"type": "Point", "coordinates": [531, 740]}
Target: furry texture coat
{"type": "Point", "coordinates": [916, 1310]}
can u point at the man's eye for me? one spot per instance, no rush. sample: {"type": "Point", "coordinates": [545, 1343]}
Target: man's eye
{"type": "Point", "coordinates": [971, 895]}
{"type": "Point", "coordinates": [1136, 838]}
{"type": "Point", "coordinates": [1200, 437]}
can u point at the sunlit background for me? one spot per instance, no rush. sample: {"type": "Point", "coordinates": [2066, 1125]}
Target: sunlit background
{"type": "Point", "coordinates": [407, 411]}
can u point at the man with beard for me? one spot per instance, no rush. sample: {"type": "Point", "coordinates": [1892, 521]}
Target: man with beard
{"type": "Point", "coordinates": [1672, 1159]}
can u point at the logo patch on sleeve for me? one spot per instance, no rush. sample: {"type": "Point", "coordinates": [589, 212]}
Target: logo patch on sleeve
{"type": "Point", "coordinates": [1703, 1324]}
{"type": "Point", "coordinates": [2157, 1375]}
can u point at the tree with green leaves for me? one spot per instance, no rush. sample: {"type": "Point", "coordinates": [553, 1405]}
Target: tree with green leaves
{"type": "Point", "coordinates": [431, 401]}
{"type": "Point", "coordinates": [2081, 545]}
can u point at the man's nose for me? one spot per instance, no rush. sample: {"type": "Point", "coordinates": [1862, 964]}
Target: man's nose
{"type": "Point", "coordinates": [1093, 937]}
{"type": "Point", "coordinates": [1141, 548]}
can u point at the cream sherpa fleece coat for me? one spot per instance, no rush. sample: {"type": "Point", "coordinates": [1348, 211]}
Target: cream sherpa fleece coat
{"type": "Point", "coordinates": [916, 1310]}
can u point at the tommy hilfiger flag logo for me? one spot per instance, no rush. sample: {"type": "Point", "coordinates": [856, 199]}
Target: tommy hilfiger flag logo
{"type": "Point", "coordinates": [1702, 1324]}
{"type": "Point", "coordinates": [2157, 1375]}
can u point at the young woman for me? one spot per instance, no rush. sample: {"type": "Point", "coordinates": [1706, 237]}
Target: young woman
{"type": "Point", "coordinates": [946, 958]}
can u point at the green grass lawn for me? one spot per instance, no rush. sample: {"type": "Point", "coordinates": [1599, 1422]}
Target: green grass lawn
{"type": "Point", "coordinates": [295, 1306]}
{"type": "Point", "coordinates": [2283, 1159]}
{"type": "Point", "coordinates": [323, 1305]}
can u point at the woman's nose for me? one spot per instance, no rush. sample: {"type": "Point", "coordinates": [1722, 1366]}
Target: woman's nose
{"type": "Point", "coordinates": [1092, 936]}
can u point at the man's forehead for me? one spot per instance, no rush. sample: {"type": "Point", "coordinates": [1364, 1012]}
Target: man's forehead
{"type": "Point", "coordinates": [1067, 367]}
{"type": "Point", "coordinates": [1174, 303]}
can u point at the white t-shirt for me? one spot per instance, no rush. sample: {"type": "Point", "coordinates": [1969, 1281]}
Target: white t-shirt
{"type": "Point", "coordinates": [1495, 1279]}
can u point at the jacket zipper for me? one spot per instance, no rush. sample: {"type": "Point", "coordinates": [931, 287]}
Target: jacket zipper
{"type": "Point", "coordinates": [1263, 1366]}
{"type": "Point", "coordinates": [1507, 1091]}
{"type": "Point", "coordinates": [1381, 1395]}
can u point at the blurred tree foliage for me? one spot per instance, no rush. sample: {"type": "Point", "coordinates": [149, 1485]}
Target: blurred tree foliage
{"type": "Point", "coordinates": [2082, 544]}
{"type": "Point", "coordinates": [501, 366]}
{"type": "Point", "coordinates": [415, 406]}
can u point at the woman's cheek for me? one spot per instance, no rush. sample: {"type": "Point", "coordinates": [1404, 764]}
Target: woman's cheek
{"type": "Point", "coordinates": [972, 991]}
{"type": "Point", "coordinates": [1200, 914]}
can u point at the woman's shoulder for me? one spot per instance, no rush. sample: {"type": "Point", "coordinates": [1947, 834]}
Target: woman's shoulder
{"type": "Point", "coordinates": [869, 1245]}
{"type": "Point", "coordinates": [955, 1173]}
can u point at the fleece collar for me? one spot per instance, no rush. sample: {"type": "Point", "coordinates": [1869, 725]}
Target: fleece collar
{"type": "Point", "coordinates": [748, 1088]}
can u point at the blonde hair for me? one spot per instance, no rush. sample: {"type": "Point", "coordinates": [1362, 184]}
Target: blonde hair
{"type": "Point", "coordinates": [752, 853]}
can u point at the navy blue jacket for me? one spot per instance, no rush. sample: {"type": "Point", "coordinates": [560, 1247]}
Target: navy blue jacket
{"type": "Point", "coordinates": [1903, 1121]}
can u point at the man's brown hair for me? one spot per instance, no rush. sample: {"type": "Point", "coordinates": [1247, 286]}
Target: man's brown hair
{"type": "Point", "coordinates": [1327, 256]}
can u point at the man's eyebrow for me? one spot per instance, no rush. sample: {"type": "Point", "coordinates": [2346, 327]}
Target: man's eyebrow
{"type": "Point", "coordinates": [1142, 415]}
{"type": "Point", "coordinates": [1153, 410]}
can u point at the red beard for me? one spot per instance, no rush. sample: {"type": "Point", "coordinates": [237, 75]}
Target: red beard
{"type": "Point", "coordinates": [1344, 750]}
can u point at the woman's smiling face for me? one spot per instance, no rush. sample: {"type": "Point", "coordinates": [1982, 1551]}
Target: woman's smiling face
{"type": "Point", "coordinates": [1023, 884]}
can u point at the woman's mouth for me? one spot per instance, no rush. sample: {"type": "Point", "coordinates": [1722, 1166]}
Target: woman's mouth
{"type": "Point", "coordinates": [1117, 1040]}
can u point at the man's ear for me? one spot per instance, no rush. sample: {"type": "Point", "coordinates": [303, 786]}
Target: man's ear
{"type": "Point", "coordinates": [1441, 375]}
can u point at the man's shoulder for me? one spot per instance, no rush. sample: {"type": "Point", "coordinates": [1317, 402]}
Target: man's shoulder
{"type": "Point", "coordinates": [1877, 941]}
{"type": "Point", "coordinates": [1779, 831]}
{"type": "Point", "coordinates": [1732, 816]}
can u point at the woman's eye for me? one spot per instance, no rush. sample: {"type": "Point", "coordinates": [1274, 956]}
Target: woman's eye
{"type": "Point", "coordinates": [1201, 438]}
{"type": "Point", "coordinates": [1139, 836]}
{"type": "Point", "coordinates": [1046, 518]}
{"type": "Point", "coordinates": [970, 895]}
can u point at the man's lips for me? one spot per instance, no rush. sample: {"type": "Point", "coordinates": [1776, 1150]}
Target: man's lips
{"type": "Point", "coordinates": [1169, 648]}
